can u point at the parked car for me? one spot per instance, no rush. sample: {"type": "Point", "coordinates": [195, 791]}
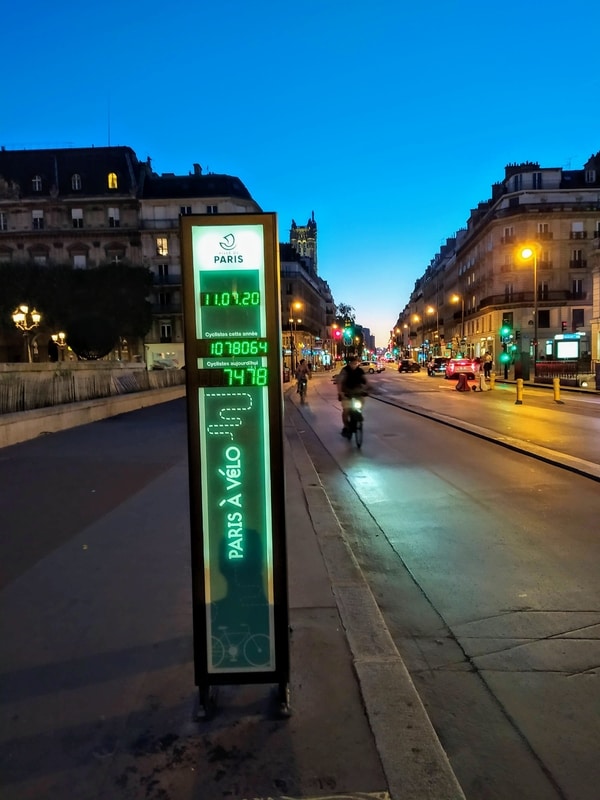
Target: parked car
{"type": "Point", "coordinates": [458, 366]}
{"type": "Point", "coordinates": [437, 366]}
{"type": "Point", "coordinates": [371, 367]}
{"type": "Point", "coordinates": [408, 365]}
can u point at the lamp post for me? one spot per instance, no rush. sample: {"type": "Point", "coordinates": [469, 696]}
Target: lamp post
{"type": "Point", "coordinates": [416, 318]}
{"type": "Point", "coordinates": [60, 340]}
{"type": "Point", "coordinates": [26, 321]}
{"type": "Point", "coordinates": [431, 310]}
{"type": "Point", "coordinates": [527, 253]}
{"type": "Point", "coordinates": [455, 298]}
{"type": "Point", "coordinates": [297, 305]}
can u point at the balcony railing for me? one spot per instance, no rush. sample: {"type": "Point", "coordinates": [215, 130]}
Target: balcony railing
{"type": "Point", "coordinates": [578, 235]}
{"type": "Point", "coordinates": [578, 263]}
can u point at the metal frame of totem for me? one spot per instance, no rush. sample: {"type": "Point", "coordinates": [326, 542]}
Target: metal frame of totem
{"type": "Point", "coordinates": [231, 296]}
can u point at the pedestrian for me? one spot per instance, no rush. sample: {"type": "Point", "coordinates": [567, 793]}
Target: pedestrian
{"type": "Point", "coordinates": [487, 365]}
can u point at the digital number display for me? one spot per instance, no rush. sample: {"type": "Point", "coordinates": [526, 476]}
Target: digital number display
{"type": "Point", "coordinates": [234, 376]}
{"type": "Point", "coordinates": [227, 298]}
{"type": "Point", "coordinates": [230, 348]}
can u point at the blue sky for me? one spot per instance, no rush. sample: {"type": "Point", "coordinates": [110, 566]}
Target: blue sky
{"type": "Point", "coordinates": [390, 120]}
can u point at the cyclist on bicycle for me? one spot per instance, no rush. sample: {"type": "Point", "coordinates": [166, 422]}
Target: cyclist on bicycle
{"type": "Point", "coordinates": [302, 374]}
{"type": "Point", "coordinates": [351, 382]}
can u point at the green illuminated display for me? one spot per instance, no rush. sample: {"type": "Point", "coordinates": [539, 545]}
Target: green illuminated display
{"type": "Point", "coordinates": [228, 297]}
{"type": "Point", "coordinates": [232, 378]}
{"type": "Point", "coordinates": [230, 348]}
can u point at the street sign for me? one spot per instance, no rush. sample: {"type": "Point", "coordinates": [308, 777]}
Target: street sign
{"type": "Point", "coordinates": [233, 345]}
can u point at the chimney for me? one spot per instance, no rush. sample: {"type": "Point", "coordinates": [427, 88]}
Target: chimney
{"type": "Point", "coordinates": [197, 169]}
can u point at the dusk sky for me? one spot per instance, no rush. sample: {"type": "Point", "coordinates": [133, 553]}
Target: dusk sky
{"type": "Point", "coordinates": [390, 120]}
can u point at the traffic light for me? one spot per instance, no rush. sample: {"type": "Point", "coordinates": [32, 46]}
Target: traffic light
{"type": "Point", "coordinates": [337, 334]}
{"type": "Point", "coordinates": [505, 330]}
{"type": "Point", "coordinates": [564, 325]}
{"type": "Point", "coordinates": [504, 357]}
{"type": "Point", "coordinates": [348, 334]}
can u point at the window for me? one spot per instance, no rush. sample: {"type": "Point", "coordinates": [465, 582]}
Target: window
{"type": "Point", "coordinates": [576, 257]}
{"type": "Point", "coordinates": [162, 246]}
{"type": "Point", "coordinates": [577, 288]}
{"type": "Point", "coordinates": [76, 182]}
{"type": "Point", "coordinates": [508, 292]}
{"type": "Point", "coordinates": [3, 221]}
{"type": "Point", "coordinates": [79, 261]}
{"type": "Point", "coordinates": [113, 218]}
{"type": "Point", "coordinates": [543, 230]}
{"type": "Point", "coordinates": [517, 182]}
{"type": "Point", "coordinates": [113, 183]}
{"type": "Point", "coordinates": [537, 180]}
{"type": "Point", "coordinates": [37, 218]}
{"type": "Point", "coordinates": [36, 183]}
{"type": "Point", "coordinates": [590, 176]}
{"type": "Point", "coordinates": [77, 217]}
{"type": "Point", "coordinates": [166, 332]}
{"type": "Point", "coordinates": [212, 209]}
{"type": "Point", "coordinates": [578, 318]}
{"type": "Point", "coordinates": [509, 234]}
{"type": "Point", "coordinates": [543, 291]}
{"type": "Point", "coordinates": [40, 258]}
{"type": "Point", "coordinates": [163, 271]}
{"type": "Point", "coordinates": [577, 231]}
{"type": "Point", "coordinates": [544, 318]}
{"type": "Point", "coordinates": [183, 210]}
{"type": "Point", "coordinates": [164, 298]}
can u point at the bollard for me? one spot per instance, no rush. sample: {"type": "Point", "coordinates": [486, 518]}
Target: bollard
{"type": "Point", "coordinates": [556, 388]}
{"type": "Point", "coordinates": [492, 380]}
{"type": "Point", "coordinates": [519, 400]}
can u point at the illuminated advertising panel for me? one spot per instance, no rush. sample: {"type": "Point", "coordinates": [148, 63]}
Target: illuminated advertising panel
{"type": "Point", "coordinates": [231, 299]}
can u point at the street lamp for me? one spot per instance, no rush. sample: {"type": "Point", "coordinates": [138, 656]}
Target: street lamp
{"type": "Point", "coordinates": [530, 252]}
{"type": "Point", "coordinates": [455, 299]}
{"type": "Point", "coordinates": [416, 318]}
{"type": "Point", "coordinates": [60, 340]}
{"type": "Point", "coordinates": [431, 310]}
{"type": "Point", "coordinates": [293, 326]}
{"type": "Point", "coordinates": [26, 321]}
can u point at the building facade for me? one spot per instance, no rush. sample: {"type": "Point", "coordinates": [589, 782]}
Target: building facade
{"type": "Point", "coordinates": [85, 207]}
{"type": "Point", "coordinates": [480, 279]}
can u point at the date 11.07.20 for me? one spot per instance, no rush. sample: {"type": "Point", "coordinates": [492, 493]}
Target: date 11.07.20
{"type": "Point", "coordinates": [230, 298]}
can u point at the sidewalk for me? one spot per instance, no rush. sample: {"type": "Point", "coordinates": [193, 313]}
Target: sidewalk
{"type": "Point", "coordinates": [97, 686]}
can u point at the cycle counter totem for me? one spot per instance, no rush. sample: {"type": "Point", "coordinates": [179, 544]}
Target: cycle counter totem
{"type": "Point", "coordinates": [233, 351]}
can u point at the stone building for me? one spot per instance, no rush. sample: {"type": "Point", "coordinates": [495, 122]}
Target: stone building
{"type": "Point", "coordinates": [479, 279]}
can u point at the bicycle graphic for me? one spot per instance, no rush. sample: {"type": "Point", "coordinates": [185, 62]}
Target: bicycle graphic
{"type": "Point", "coordinates": [240, 648]}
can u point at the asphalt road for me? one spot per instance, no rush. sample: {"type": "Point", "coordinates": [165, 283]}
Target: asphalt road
{"type": "Point", "coordinates": [484, 561]}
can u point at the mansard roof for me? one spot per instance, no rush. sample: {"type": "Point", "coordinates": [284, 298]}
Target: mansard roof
{"type": "Point", "coordinates": [165, 187]}
{"type": "Point", "coordinates": [56, 168]}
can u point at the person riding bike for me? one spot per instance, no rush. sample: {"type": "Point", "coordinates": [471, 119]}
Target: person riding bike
{"type": "Point", "coordinates": [302, 374]}
{"type": "Point", "coordinates": [352, 382]}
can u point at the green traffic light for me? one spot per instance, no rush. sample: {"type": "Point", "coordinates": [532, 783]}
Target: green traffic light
{"type": "Point", "coordinates": [504, 358]}
{"type": "Point", "coordinates": [505, 330]}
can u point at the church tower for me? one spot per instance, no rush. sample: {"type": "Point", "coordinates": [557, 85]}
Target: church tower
{"type": "Point", "coordinates": [303, 239]}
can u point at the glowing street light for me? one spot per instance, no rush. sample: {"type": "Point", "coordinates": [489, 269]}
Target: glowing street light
{"type": "Point", "coordinates": [26, 320]}
{"type": "Point", "coordinates": [60, 340]}
{"type": "Point", "coordinates": [456, 298]}
{"type": "Point", "coordinates": [529, 252]}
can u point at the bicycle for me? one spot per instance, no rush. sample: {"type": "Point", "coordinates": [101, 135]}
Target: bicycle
{"type": "Point", "coordinates": [302, 387]}
{"type": "Point", "coordinates": [355, 420]}
{"type": "Point", "coordinates": [240, 648]}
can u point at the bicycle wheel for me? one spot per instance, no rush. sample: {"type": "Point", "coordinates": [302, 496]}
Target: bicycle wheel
{"type": "Point", "coordinates": [358, 432]}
